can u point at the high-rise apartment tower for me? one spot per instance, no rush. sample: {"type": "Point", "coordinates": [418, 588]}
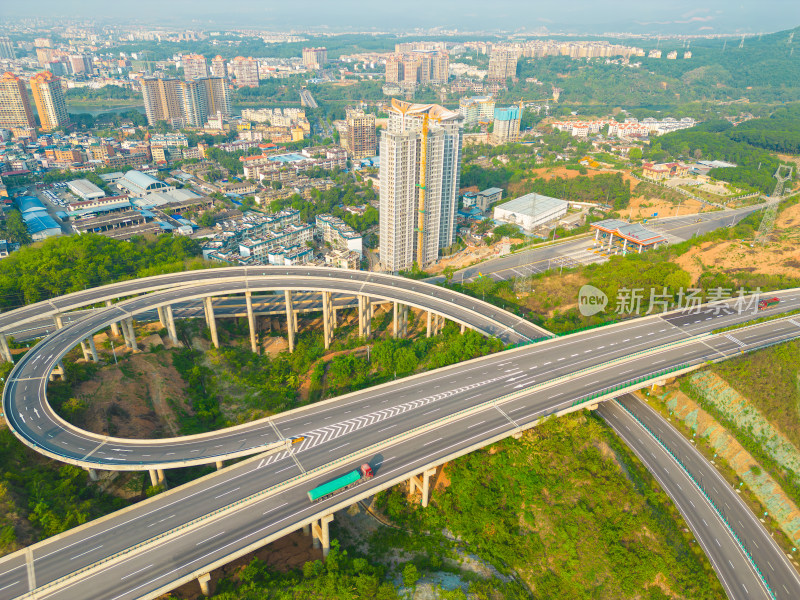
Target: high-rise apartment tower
{"type": "Point", "coordinates": [419, 180]}
{"type": "Point", "coordinates": [15, 107]}
{"type": "Point", "coordinates": [49, 99]}
{"type": "Point", "coordinates": [361, 140]}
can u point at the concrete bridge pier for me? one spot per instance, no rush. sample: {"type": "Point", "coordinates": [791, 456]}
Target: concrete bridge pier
{"type": "Point", "coordinates": [211, 320]}
{"type": "Point", "coordinates": [291, 323]}
{"type": "Point", "coordinates": [364, 317]}
{"type": "Point", "coordinates": [93, 349]}
{"type": "Point", "coordinates": [463, 329]}
{"type": "Point", "coordinates": [328, 318]}
{"type": "Point", "coordinates": [157, 477]}
{"type": "Point", "coordinates": [5, 350]}
{"type": "Point", "coordinates": [205, 584]}
{"type": "Point", "coordinates": [92, 474]}
{"type": "Point", "coordinates": [114, 326]}
{"type": "Point", "coordinates": [321, 534]}
{"type": "Point", "coordinates": [85, 350]}
{"type": "Point", "coordinates": [59, 370]}
{"type": "Point", "coordinates": [170, 323]}
{"type": "Point", "coordinates": [220, 465]}
{"type": "Point", "coordinates": [161, 317]}
{"type": "Point", "coordinates": [251, 321]}
{"type": "Point", "coordinates": [422, 483]}
{"type": "Point", "coordinates": [399, 319]}
{"type": "Point", "coordinates": [130, 340]}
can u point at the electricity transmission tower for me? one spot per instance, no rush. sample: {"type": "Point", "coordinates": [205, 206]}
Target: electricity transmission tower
{"type": "Point", "coordinates": [771, 211]}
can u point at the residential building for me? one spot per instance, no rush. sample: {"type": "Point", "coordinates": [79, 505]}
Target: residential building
{"type": "Point", "coordinates": [203, 98]}
{"type": "Point", "coordinates": [339, 234]}
{"type": "Point", "coordinates": [476, 109]}
{"type": "Point", "coordinates": [259, 247]}
{"type": "Point", "coordinates": [163, 100]}
{"type": "Point", "coordinates": [658, 172]}
{"type": "Point", "coordinates": [419, 182]}
{"type": "Point", "coordinates": [80, 64]}
{"type": "Point", "coordinates": [489, 196]}
{"type": "Point", "coordinates": [182, 103]}
{"type": "Point", "coordinates": [15, 106]}
{"type": "Point", "coordinates": [245, 71]}
{"type": "Point", "coordinates": [394, 68]}
{"type": "Point", "coordinates": [421, 67]}
{"type": "Point", "coordinates": [7, 48]}
{"type": "Point", "coordinates": [361, 139]}
{"type": "Point", "coordinates": [506, 124]}
{"type": "Point", "coordinates": [315, 58]}
{"type": "Point", "coordinates": [219, 67]}
{"type": "Point", "coordinates": [531, 211]}
{"type": "Point", "coordinates": [194, 66]}
{"type": "Point", "coordinates": [49, 99]}
{"type": "Point", "coordinates": [502, 64]}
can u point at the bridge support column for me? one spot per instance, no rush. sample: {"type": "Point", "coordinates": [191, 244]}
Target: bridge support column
{"type": "Point", "coordinates": [251, 321]}
{"type": "Point", "coordinates": [161, 318]}
{"type": "Point", "coordinates": [170, 318]}
{"type": "Point", "coordinates": [306, 529]}
{"type": "Point", "coordinates": [328, 318]}
{"type": "Point", "coordinates": [92, 474]}
{"type": "Point", "coordinates": [114, 326]}
{"type": "Point", "coordinates": [422, 483]}
{"type": "Point", "coordinates": [291, 323]}
{"type": "Point", "coordinates": [212, 322]}
{"type": "Point", "coordinates": [205, 584]}
{"type": "Point", "coordinates": [220, 465]}
{"type": "Point", "coordinates": [429, 328]}
{"type": "Point", "coordinates": [59, 321]}
{"type": "Point", "coordinates": [85, 350]}
{"type": "Point", "coordinates": [128, 324]}
{"type": "Point", "coordinates": [361, 316]}
{"type": "Point", "coordinates": [321, 534]}
{"type": "Point", "coordinates": [5, 350]}
{"type": "Point", "coordinates": [592, 406]}
{"type": "Point", "coordinates": [93, 349]}
{"type": "Point", "coordinates": [399, 319]}
{"type": "Point", "coordinates": [463, 328]}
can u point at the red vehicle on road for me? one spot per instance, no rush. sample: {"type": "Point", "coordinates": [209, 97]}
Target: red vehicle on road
{"type": "Point", "coordinates": [768, 303]}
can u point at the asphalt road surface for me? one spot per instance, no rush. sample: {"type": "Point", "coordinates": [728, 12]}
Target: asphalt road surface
{"type": "Point", "coordinates": [734, 569]}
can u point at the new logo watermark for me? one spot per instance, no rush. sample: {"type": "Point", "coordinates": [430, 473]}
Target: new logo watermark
{"type": "Point", "coordinates": [631, 301]}
{"type": "Point", "coordinates": [591, 300]}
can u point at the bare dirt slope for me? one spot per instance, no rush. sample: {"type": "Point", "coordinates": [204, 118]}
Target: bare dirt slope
{"type": "Point", "coordinates": [779, 257]}
{"type": "Point", "coordinates": [134, 399]}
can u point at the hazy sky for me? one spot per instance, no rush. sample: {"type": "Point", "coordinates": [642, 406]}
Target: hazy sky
{"type": "Point", "coordinates": [647, 16]}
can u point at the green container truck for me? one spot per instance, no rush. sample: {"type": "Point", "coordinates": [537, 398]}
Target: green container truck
{"type": "Point", "coordinates": [341, 483]}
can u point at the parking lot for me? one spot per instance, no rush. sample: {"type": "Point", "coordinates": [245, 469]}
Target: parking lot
{"type": "Point", "coordinates": [58, 194]}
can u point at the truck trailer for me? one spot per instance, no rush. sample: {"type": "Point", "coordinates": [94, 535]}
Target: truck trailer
{"type": "Point", "coordinates": [341, 483]}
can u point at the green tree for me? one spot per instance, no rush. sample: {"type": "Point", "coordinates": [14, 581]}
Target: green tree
{"type": "Point", "coordinates": [16, 229]}
{"type": "Point", "coordinates": [410, 575]}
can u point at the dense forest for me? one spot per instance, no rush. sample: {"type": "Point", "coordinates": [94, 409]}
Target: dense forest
{"type": "Point", "coordinates": [71, 263]}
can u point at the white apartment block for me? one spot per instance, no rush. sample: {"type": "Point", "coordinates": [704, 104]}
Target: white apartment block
{"type": "Point", "coordinates": [413, 200]}
{"type": "Point", "coordinates": [259, 247]}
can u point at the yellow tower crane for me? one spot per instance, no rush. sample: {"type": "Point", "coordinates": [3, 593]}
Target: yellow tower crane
{"type": "Point", "coordinates": [423, 174]}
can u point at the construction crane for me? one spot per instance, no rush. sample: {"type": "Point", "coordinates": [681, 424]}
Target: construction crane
{"type": "Point", "coordinates": [423, 175]}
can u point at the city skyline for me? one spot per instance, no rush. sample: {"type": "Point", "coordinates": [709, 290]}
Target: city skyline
{"type": "Point", "coordinates": [682, 16]}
